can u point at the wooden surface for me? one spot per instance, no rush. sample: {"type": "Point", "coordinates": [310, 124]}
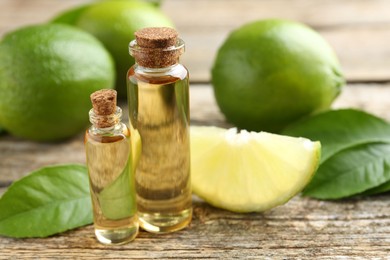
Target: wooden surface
{"type": "Point", "coordinates": [302, 229]}
{"type": "Point", "coordinates": [359, 31]}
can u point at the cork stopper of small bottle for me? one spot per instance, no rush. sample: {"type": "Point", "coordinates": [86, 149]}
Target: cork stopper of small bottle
{"type": "Point", "coordinates": [156, 47]}
{"type": "Point", "coordinates": [104, 105]}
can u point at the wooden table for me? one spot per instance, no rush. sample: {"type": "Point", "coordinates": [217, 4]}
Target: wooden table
{"type": "Point", "coordinates": [359, 31]}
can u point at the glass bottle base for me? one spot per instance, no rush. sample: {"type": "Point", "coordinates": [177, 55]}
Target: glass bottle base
{"type": "Point", "coordinates": [164, 223]}
{"type": "Point", "coordinates": [116, 236]}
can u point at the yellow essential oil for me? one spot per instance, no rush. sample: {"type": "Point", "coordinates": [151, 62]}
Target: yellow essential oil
{"type": "Point", "coordinates": [158, 92]}
{"type": "Point", "coordinates": [109, 162]}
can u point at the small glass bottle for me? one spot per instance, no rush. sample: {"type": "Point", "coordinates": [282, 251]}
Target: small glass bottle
{"type": "Point", "coordinates": [110, 169]}
{"type": "Point", "coordinates": [158, 94]}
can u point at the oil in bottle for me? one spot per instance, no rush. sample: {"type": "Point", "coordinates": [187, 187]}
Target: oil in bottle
{"type": "Point", "coordinates": [158, 94]}
{"type": "Point", "coordinates": [110, 169]}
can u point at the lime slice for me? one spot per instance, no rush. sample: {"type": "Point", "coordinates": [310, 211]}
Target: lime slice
{"type": "Point", "coordinates": [136, 146]}
{"type": "Point", "coordinates": [248, 171]}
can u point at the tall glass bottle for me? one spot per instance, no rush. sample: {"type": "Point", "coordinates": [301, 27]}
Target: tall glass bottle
{"type": "Point", "coordinates": [158, 94]}
{"type": "Point", "coordinates": [109, 162]}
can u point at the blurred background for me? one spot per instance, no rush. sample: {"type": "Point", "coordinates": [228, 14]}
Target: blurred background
{"type": "Point", "coordinates": [358, 30]}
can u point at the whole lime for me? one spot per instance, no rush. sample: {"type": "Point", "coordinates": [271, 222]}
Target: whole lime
{"type": "Point", "coordinates": [70, 16]}
{"type": "Point", "coordinates": [270, 73]}
{"type": "Point", "coordinates": [114, 24]}
{"type": "Point", "coordinates": [47, 74]}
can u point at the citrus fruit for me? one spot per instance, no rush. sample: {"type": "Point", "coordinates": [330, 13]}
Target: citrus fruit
{"type": "Point", "coordinates": [136, 146]}
{"type": "Point", "coordinates": [249, 171]}
{"type": "Point", "coordinates": [114, 24]}
{"type": "Point", "coordinates": [71, 15]}
{"type": "Point", "coordinates": [47, 74]}
{"type": "Point", "coordinates": [270, 73]}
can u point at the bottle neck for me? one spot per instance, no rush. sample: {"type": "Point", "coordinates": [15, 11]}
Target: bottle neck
{"type": "Point", "coordinates": [157, 58]}
{"type": "Point", "coordinates": [157, 71]}
{"type": "Point", "coordinates": [106, 124]}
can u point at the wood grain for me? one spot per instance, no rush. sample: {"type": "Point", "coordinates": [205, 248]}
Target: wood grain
{"type": "Point", "coordinates": [301, 229]}
{"type": "Point", "coordinates": [358, 30]}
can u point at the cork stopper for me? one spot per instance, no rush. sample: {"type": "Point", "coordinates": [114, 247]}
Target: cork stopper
{"type": "Point", "coordinates": [104, 105]}
{"type": "Point", "coordinates": [156, 47]}
{"type": "Point", "coordinates": [156, 37]}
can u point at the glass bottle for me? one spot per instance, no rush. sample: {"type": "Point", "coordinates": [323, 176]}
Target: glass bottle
{"type": "Point", "coordinates": [110, 169]}
{"type": "Point", "coordinates": [158, 94]}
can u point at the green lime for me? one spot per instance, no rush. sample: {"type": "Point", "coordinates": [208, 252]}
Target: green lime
{"type": "Point", "coordinates": [114, 24]}
{"type": "Point", "coordinates": [47, 74]}
{"type": "Point", "coordinates": [70, 16]}
{"type": "Point", "coordinates": [270, 73]}
{"type": "Point", "coordinates": [249, 171]}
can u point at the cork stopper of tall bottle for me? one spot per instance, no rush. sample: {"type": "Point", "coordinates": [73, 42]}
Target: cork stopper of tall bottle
{"type": "Point", "coordinates": [104, 105]}
{"type": "Point", "coordinates": [157, 47]}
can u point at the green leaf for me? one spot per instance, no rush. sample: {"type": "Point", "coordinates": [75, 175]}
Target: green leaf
{"type": "Point", "coordinates": [341, 129]}
{"type": "Point", "coordinates": [2, 131]}
{"type": "Point", "coordinates": [117, 200]}
{"type": "Point", "coordinates": [48, 201]}
{"type": "Point", "coordinates": [351, 172]}
{"type": "Point", "coordinates": [385, 187]}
